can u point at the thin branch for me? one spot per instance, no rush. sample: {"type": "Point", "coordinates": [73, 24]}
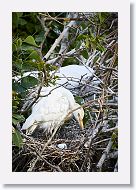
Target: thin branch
{"type": "Point", "coordinates": [57, 168]}
{"type": "Point", "coordinates": [40, 153]}
{"type": "Point", "coordinates": [104, 156]}
{"type": "Point", "coordinates": [116, 167]}
{"type": "Point", "coordinates": [57, 41]}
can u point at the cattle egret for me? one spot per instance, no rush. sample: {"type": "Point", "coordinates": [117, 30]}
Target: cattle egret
{"type": "Point", "coordinates": [72, 75]}
{"type": "Point", "coordinates": [53, 108]}
{"type": "Point", "coordinates": [69, 76]}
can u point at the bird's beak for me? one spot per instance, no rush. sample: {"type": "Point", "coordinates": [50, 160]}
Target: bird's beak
{"type": "Point", "coordinates": [81, 123]}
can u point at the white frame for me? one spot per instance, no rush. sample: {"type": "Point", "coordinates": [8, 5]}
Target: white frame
{"type": "Point", "coordinates": [120, 177]}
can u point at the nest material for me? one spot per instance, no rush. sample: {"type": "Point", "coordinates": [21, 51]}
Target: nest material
{"type": "Point", "coordinates": [78, 154]}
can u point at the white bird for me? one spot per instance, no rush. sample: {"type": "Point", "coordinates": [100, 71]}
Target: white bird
{"type": "Point", "coordinates": [72, 75]}
{"type": "Point", "coordinates": [69, 76]}
{"type": "Point", "coordinates": [52, 110]}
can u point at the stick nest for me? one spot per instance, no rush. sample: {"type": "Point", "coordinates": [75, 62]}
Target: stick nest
{"type": "Point", "coordinates": [69, 154]}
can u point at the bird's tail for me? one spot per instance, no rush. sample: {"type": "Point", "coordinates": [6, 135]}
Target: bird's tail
{"type": "Point", "coordinates": [30, 125]}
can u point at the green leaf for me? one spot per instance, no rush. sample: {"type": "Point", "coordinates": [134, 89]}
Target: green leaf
{"type": "Point", "coordinates": [70, 61]}
{"type": "Point", "coordinates": [87, 43]}
{"type": "Point", "coordinates": [111, 123]}
{"type": "Point", "coordinates": [16, 118]}
{"type": "Point", "coordinates": [81, 37]}
{"type": "Point", "coordinates": [40, 37]}
{"type": "Point", "coordinates": [19, 117]}
{"type": "Point", "coordinates": [95, 59]}
{"type": "Point", "coordinates": [28, 82]}
{"type": "Point", "coordinates": [79, 100]}
{"type": "Point", "coordinates": [22, 21]}
{"type": "Point", "coordinates": [85, 54]}
{"type": "Point", "coordinates": [24, 84]}
{"type": "Point", "coordinates": [100, 48]}
{"type": "Point", "coordinates": [86, 116]}
{"type": "Point", "coordinates": [34, 55]}
{"type": "Point", "coordinates": [29, 65]}
{"type": "Point", "coordinates": [16, 86]}
{"type": "Point", "coordinates": [14, 47]}
{"type": "Point", "coordinates": [16, 138]}
{"type": "Point", "coordinates": [100, 17]}
{"type": "Point", "coordinates": [14, 121]}
{"type": "Point", "coordinates": [30, 40]}
{"type": "Point", "coordinates": [19, 43]}
{"type": "Point", "coordinates": [114, 139]}
{"type": "Point", "coordinates": [40, 65]}
{"type": "Point", "coordinates": [14, 20]}
{"type": "Point", "coordinates": [114, 136]}
{"type": "Point", "coordinates": [27, 47]}
{"type": "Point", "coordinates": [78, 44]}
{"type": "Point", "coordinates": [19, 14]}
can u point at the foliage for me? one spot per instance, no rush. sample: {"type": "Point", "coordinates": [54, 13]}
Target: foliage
{"type": "Point", "coordinates": [34, 34]}
{"type": "Point", "coordinates": [16, 138]}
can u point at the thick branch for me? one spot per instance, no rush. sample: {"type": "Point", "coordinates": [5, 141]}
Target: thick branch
{"type": "Point", "coordinates": [57, 41]}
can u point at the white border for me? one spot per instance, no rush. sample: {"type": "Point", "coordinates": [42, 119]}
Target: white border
{"type": "Point", "coordinates": [121, 177]}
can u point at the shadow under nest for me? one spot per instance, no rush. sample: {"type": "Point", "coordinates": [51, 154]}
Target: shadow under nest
{"type": "Point", "coordinates": [77, 153]}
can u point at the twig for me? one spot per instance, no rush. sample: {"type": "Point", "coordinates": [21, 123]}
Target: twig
{"type": "Point", "coordinates": [52, 166]}
{"type": "Point", "coordinates": [110, 129]}
{"type": "Point", "coordinates": [57, 41]}
{"type": "Point", "coordinates": [40, 153]}
{"type": "Point", "coordinates": [64, 19]}
{"type": "Point", "coordinates": [101, 141]}
{"type": "Point", "coordinates": [100, 100]}
{"type": "Point", "coordinates": [104, 155]}
{"type": "Point", "coordinates": [116, 167]}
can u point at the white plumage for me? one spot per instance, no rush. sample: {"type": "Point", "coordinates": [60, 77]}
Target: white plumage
{"type": "Point", "coordinates": [52, 110]}
{"type": "Point", "coordinates": [70, 76]}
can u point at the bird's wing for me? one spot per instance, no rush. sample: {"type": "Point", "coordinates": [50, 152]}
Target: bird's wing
{"type": "Point", "coordinates": [49, 111]}
{"type": "Point", "coordinates": [72, 74]}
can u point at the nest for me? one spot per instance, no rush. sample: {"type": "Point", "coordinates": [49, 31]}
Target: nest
{"type": "Point", "coordinates": [69, 154]}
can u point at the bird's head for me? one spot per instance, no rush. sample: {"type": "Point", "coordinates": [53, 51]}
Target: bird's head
{"type": "Point", "coordinates": [79, 115]}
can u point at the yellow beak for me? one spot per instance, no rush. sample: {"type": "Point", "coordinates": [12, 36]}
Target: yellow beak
{"type": "Point", "coordinates": [81, 123]}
